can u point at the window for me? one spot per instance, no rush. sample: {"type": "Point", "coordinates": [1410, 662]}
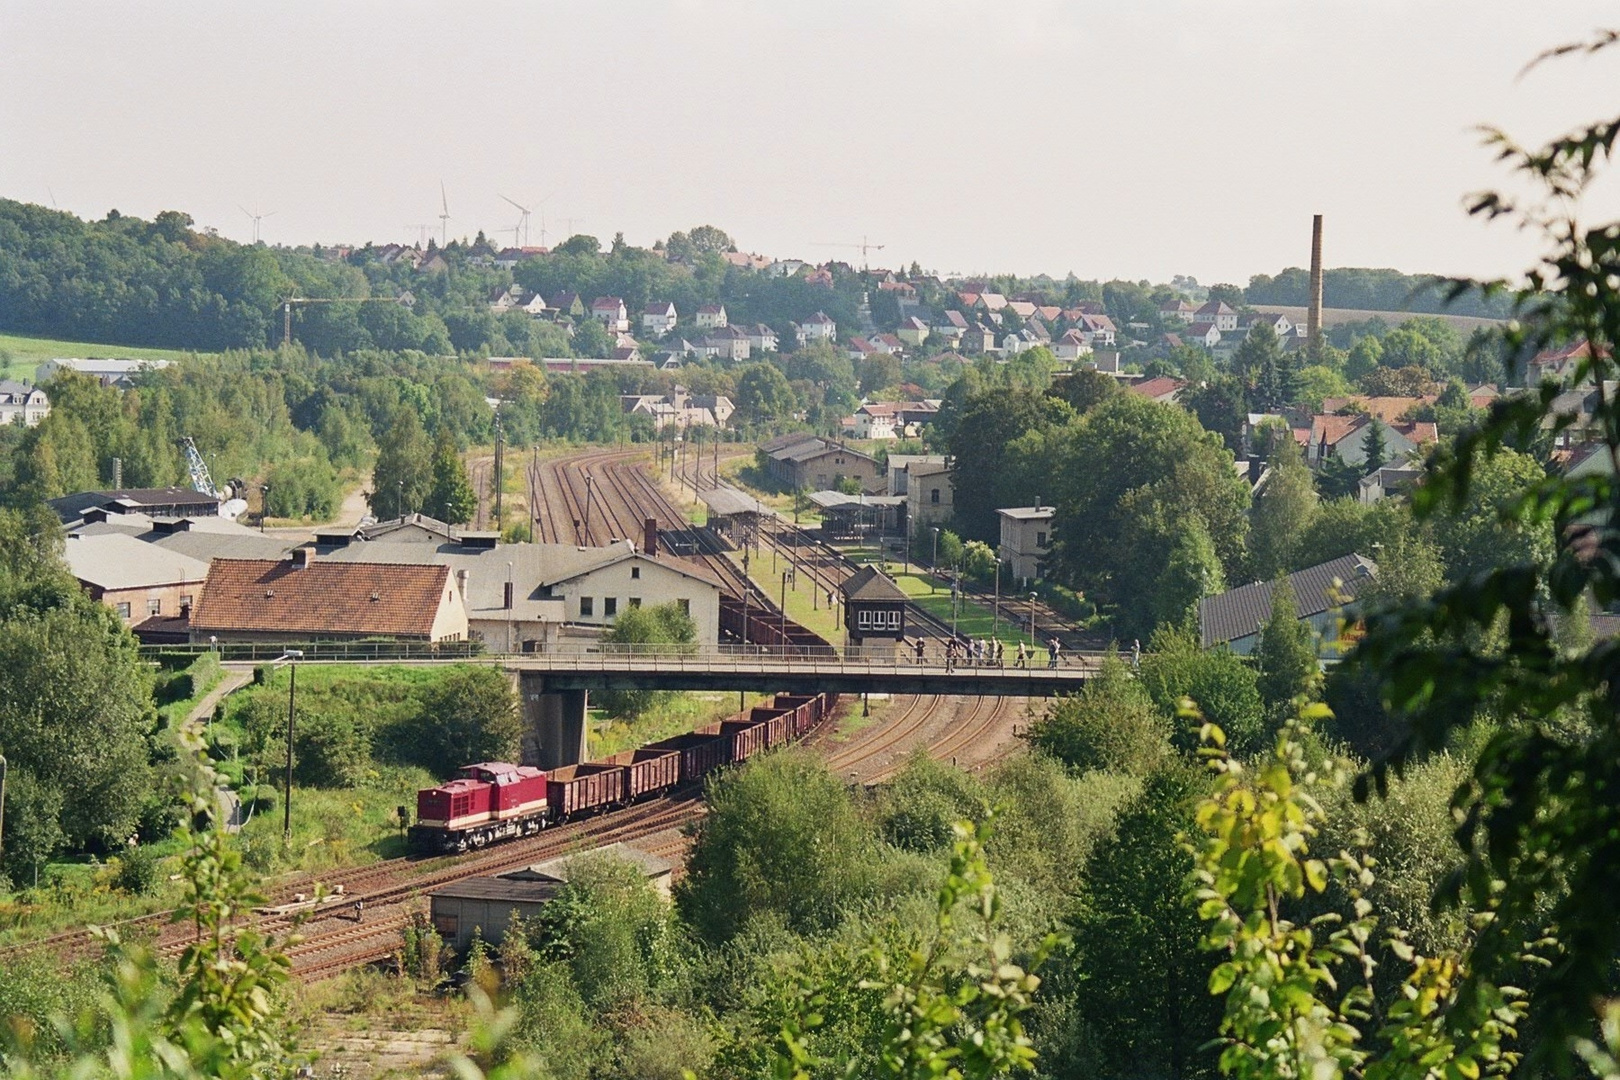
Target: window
{"type": "Point", "coordinates": [686, 606]}
{"type": "Point", "coordinates": [187, 601]}
{"type": "Point", "coordinates": [635, 601]}
{"type": "Point", "coordinates": [610, 607]}
{"type": "Point", "coordinates": [154, 607]}
{"type": "Point", "coordinates": [1040, 539]}
{"type": "Point", "coordinates": [635, 573]}
{"type": "Point", "coordinates": [933, 496]}
{"type": "Point", "coordinates": [863, 619]}
{"type": "Point", "coordinates": [587, 606]}
{"type": "Point", "coordinates": [123, 611]}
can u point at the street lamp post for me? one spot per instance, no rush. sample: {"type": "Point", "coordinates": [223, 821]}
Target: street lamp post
{"type": "Point", "coordinates": [399, 502]}
{"type": "Point", "coordinates": [933, 564]}
{"type": "Point", "coordinates": [783, 642]}
{"type": "Point", "coordinates": [2, 801]}
{"type": "Point", "coordinates": [1031, 622]}
{"type": "Point", "coordinates": [290, 656]}
{"type": "Point", "coordinates": [588, 482]}
{"type": "Point", "coordinates": [956, 590]}
{"type": "Point", "coordinates": [264, 505]}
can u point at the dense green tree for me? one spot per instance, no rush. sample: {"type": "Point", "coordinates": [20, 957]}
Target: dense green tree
{"type": "Point", "coordinates": [1281, 513]}
{"type": "Point", "coordinates": [1085, 388]}
{"type": "Point", "coordinates": [1193, 572]}
{"type": "Point", "coordinates": [611, 928]}
{"type": "Point", "coordinates": [984, 478]}
{"type": "Point", "coordinates": [1286, 654]}
{"type": "Point", "coordinates": [1111, 724]}
{"type": "Point", "coordinates": [763, 394]}
{"type": "Point", "coordinates": [1221, 405]}
{"type": "Point", "coordinates": [1137, 975]}
{"type": "Point", "coordinates": [1131, 477]}
{"type": "Point", "coordinates": [782, 840]}
{"type": "Point", "coordinates": [403, 475]}
{"type": "Point", "coordinates": [1483, 534]}
{"type": "Point", "coordinates": [468, 715]}
{"type": "Point", "coordinates": [451, 497]}
{"type": "Point", "coordinates": [878, 372]}
{"type": "Point", "coordinates": [1222, 684]}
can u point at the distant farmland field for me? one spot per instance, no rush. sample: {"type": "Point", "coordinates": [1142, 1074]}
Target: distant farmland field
{"type": "Point", "coordinates": [1463, 324]}
{"type": "Point", "coordinates": [20, 354]}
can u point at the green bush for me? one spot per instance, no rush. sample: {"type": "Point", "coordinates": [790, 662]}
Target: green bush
{"type": "Point", "coordinates": [137, 871]}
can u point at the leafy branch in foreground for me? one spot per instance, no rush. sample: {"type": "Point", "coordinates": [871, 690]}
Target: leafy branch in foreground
{"type": "Point", "coordinates": [952, 1003]}
{"type": "Point", "coordinates": [1299, 994]}
{"type": "Point", "coordinates": [1539, 831]}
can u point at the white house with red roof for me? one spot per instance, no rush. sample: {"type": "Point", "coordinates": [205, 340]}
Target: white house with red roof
{"type": "Point", "coordinates": [878, 420]}
{"type": "Point", "coordinates": [1345, 437]}
{"type": "Point", "coordinates": [611, 313]}
{"type": "Point", "coordinates": [1099, 330]}
{"type": "Point", "coordinates": [711, 316]}
{"type": "Point", "coordinates": [1177, 310]}
{"type": "Point", "coordinates": [729, 343]}
{"type": "Point", "coordinates": [859, 349]}
{"type": "Point", "coordinates": [1071, 346]}
{"type": "Point", "coordinates": [658, 318]}
{"type": "Point", "coordinates": [1160, 388]}
{"type": "Point", "coordinates": [1201, 333]}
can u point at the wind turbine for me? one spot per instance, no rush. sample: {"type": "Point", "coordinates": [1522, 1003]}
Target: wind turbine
{"type": "Point", "coordinates": [444, 216]}
{"type": "Point", "coordinates": [522, 225]}
{"type": "Point", "coordinates": [543, 202]}
{"type": "Point", "coordinates": [256, 216]}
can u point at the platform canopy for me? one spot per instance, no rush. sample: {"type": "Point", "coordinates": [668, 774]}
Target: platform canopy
{"type": "Point", "coordinates": [729, 502]}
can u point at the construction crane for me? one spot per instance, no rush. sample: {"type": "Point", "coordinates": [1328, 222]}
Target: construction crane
{"type": "Point", "coordinates": [287, 306]}
{"type": "Point", "coordinates": [864, 247]}
{"type": "Point", "coordinates": [230, 505]}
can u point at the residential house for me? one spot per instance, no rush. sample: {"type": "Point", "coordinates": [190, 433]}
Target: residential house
{"type": "Point", "coordinates": [912, 330]}
{"type": "Point", "coordinates": [746, 261]}
{"type": "Point", "coordinates": [136, 579]}
{"type": "Point", "coordinates": [803, 462]}
{"type": "Point", "coordinates": [987, 301]}
{"type": "Point", "coordinates": [1217, 312]}
{"type": "Point", "coordinates": [306, 598]}
{"type": "Point", "coordinates": [567, 304]}
{"type": "Point", "coordinates": [610, 312]}
{"type": "Point", "coordinates": [930, 494]}
{"type": "Point", "coordinates": [1233, 619]}
{"type": "Point", "coordinates": [658, 318]}
{"type": "Point", "coordinates": [1389, 480]}
{"type": "Point", "coordinates": [1071, 346]}
{"type": "Point", "coordinates": [821, 276]}
{"type": "Point", "coordinates": [728, 343]}
{"type": "Point", "coordinates": [1024, 309]}
{"type": "Point", "coordinates": [1026, 540]}
{"type": "Point", "coordinates": [118, 374]}
{"type": "Point", "coordinates": [761, 338]}
{"type": "Point", "coordinates": [1205, 334]}
{"type": "Point", "coordinates": [432, 263]}
{"type": "Point", "coordinates": [899, 466]}
{"type": "Point", "coordinates": [1177, 311]}
{"type": "Point", "coordinates": [531, 304]}
{"type": "Point", "coordinates": [1391, 410]}
{"type": "Point", "coordinates": [504, 298]}
{"type": "Point", "coordinates": [978, 340]}
{"type": "Point", "coordinates": [1556, 364]}
{"type": "Point", "coordinates": [951, 324]}
{"type": "Point", "coordinates": [859, 349]}
{"type": "Point", "coordinates": [784, 268]}
{"type": "Point", "coordinates": [1277, 321]}
{"type": "Point", "coordinates": [711, 316]}
{"type": "Point", "coordinates": [1014, 343]}
{"type": "Point", "coordinates": [817, 327]}
{"type": "Point", "coordinates": [1098, 330]}
{"type": "Point", "coordinates": [1345, 437]}
{"type": "Point", "coordinates": [1161, 388]}
{"type": "Point", "coordinates": [878, 420]}
{"type": "Point", "coordinates": [22, 404]}
{"type": "Point", "coordinates": [888, 343]}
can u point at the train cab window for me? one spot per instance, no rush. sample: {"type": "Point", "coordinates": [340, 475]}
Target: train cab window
{"type": "Point", "coordinates": [587, 606]}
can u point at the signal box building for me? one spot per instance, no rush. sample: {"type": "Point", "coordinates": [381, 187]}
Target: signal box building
{"type": "Point", "coordinates": [874, 613]}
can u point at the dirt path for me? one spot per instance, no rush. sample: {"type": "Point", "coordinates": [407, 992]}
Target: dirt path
{"type": "Point", "coordinates": [233, 680]}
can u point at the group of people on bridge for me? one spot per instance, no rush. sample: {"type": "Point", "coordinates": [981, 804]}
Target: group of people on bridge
{"type": "Point", "coordinates": [975, 652]}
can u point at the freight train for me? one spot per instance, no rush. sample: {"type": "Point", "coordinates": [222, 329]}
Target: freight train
{"type": "Point", "coordinates": [494, 800]}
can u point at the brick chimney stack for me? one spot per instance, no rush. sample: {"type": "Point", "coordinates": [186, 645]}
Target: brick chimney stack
{"type": "Point", "coordinates": [1313, 320]}
{"type": "Point", "coordinates": [649, 537]}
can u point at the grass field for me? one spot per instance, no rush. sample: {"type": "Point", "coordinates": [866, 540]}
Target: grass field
{"type": "Point", "coordinates": [21, 354]}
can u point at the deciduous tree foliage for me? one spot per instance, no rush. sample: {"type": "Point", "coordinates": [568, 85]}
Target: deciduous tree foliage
{"type": "Point", "coordinates": [984, 478]}
{"type": "Point", "coordinates": [469, 715]}
{"type": "Point", "coordinates": [1111, 724]}
{"type": "Point", "coordinates": [1132, 475]}
{"type": "Point", "coordinates": [1282, 512]}
{"type": "Point", "coordinates": [451, 499]}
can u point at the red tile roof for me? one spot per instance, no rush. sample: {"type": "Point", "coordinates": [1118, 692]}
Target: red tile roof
{"type": "Point", "coordinates": [276, 596]}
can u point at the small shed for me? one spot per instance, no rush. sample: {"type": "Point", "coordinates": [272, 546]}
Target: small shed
{"type": "Point", "coordinates": [857, 517]}
{"type": "Point", "coordinates": [874, 613]}
{"type": "Point", "coordinates": [734, 514]}
{"type": "Point", "coordinates": [486, 904]}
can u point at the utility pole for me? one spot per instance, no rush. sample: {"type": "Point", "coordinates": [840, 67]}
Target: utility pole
{"type": "Point", "coordinates": [2, 801]}
{"type": "Point", "coordinates": [588, 482]}
{"type": "Point", "coordinates": [500, 470]}
{"type": "Point", "coordinates": [291, 656]}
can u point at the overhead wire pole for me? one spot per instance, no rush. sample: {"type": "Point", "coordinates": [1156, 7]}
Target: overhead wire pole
{"type": "Point", "coordinates": [288, 302]}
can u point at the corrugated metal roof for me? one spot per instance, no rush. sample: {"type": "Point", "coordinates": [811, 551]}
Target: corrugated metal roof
{"type": "Point", "coordinates": [118, 560]}
{"type": "Point", "coordinates": [1237, 613]}
{"type": "Point", "coordinates": [726, 501]}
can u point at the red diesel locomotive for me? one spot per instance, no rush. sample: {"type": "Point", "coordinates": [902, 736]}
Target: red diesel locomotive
{"type": "Point", "coordinates": [494, 801]}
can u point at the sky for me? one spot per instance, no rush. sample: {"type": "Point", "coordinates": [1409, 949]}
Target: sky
{"type": "Point", "coordinates": [1108, 138]}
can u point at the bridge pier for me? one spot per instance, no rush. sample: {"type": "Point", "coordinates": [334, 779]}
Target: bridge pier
{"type": "Point", "coordinates": [553, 722]}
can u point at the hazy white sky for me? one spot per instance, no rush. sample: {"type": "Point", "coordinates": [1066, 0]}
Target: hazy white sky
{"type": "Point", "coordinates": [1131, 138]}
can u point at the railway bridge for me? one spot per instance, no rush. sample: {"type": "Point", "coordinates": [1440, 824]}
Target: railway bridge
{"type": "Point", "coordinates": [554, 687]}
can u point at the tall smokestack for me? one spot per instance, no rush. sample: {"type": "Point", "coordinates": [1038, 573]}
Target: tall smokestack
{"type": "Point", "coordinates": [649, 536]}
{"type": "Point", "coordinates": [1313, 321]}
